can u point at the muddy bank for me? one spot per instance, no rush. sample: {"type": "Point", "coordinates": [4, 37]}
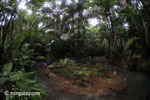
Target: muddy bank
{"type": "Point", "coordinates": [95, 85]}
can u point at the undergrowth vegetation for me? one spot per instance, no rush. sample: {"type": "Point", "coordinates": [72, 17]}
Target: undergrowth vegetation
{"type": "Point", "coordinates": [19, 81]}
{"type": "Point", "coordinates": [70, 68]}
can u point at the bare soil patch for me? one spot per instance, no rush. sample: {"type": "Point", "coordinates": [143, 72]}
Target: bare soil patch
{"type": "Point", "coordinates": [94, 85]}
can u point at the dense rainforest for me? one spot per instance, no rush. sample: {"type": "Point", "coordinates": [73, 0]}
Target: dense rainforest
{"type": "Point", "coordinates": [74, 49]}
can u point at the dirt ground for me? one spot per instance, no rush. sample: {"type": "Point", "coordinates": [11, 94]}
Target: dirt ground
{"type": "Point", "coordinates": [95, 85]}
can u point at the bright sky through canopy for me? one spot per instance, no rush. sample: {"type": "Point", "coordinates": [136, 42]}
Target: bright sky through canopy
{"type": "Point", "coordinates": [92, 21]}
{"type": "Point", "coordinates": [22, 5]}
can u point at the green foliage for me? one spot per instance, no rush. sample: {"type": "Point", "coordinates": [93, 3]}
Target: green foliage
{"type": "Point", "coordinates": [19, 81]}
{"type": "Point", "coordinates": [107, 4]}
{"type": "Point", "coordinates": [130, 42]}
{"type": "Point", "coordinates": [82, 73]}
{"type": "Point", "coordinates": [25, 58]}
{"type": "Point", "coordinates": [96, 71]}
{"type": "Point", "coordinates": [67, 61]}
{"type": "Point", "coordinates": [7, 68]}
{"type": "Point", "coordinates": [62, 63]}
{"type": "Point", "coordinates": [71, 68]}
{"type": "Point", "coordinates": [36, 3]}
{"type": "Point", "coordinates": [3, 80]}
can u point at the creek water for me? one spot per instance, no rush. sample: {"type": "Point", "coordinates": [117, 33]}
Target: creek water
{"type": "Point", "coordinates": [138, 85]}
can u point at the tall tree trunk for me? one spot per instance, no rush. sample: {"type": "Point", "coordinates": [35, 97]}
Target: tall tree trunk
{"type": "Point", "coordinates": [5, 32]}
{"type": "Point", "coordinates": [146, 33]}
{"type": "Point", "coordinates": [113, 35]}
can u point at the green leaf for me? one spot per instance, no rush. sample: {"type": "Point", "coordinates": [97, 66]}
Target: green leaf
{"type": "Point", "coordinates": [36, 89]}
{"type": "Point", "coordinates": [7, 68]}
{"type": "Point", "coordinates": [130, 42]}
{"type": "Point", "coordinates": [3, 80]}
{"type": "Point", "coordinates": [12, 2]}
{"type": "Point", "coordinates": [16, 76]}
{"type": "Point", "coordinates": [23, 85]}
{"type": "Point", "coordinates": [49, 30]}
{"type": "Point", "coordinates": [111, 3]}
{"type": "Point", "coordinates": [30, 81]}
{"type": "Point", "coordinates": [36, 85]}
{"type": "Point", "coordinates": [9, 97]}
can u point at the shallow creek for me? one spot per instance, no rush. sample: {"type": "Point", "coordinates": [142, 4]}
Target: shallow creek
{"type": "Point", "coordinates": [138, 85]}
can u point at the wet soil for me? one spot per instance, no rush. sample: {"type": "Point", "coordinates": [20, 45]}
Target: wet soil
{"type": "Point", "coordinates": [94, 85]}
